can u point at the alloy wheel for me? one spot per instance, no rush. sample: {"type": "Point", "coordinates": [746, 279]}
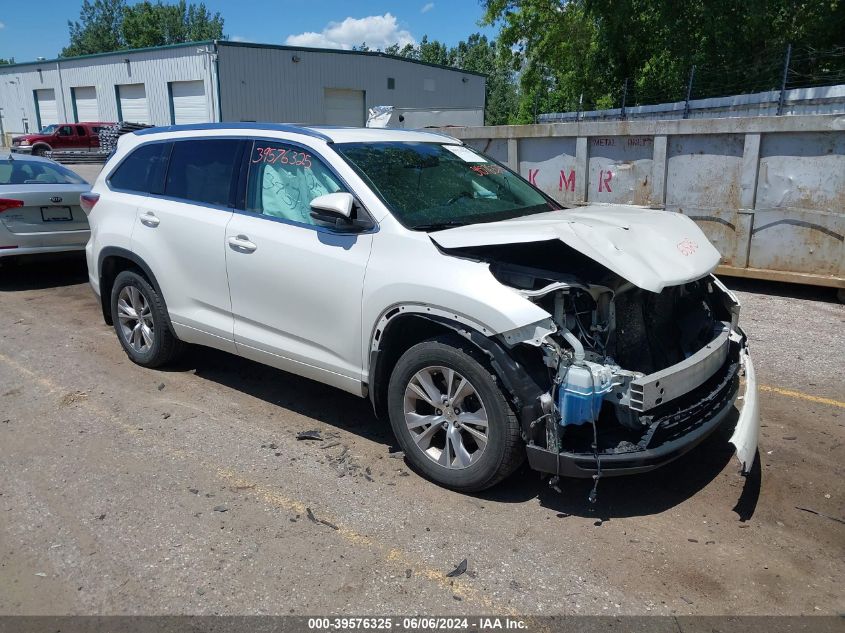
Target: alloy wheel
{"type": "Point", "coordinates": [136, 319]}
{"type": "Point", "coordinates": [446, 417]}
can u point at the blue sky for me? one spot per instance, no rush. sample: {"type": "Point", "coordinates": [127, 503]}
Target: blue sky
{"type": "Point", "coordinates": [39, 27]}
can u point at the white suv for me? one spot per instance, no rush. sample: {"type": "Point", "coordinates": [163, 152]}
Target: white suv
{"type": "Point", "coordinates": [484, 320]}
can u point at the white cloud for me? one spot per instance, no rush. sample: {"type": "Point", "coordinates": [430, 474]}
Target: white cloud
{"type": "Point", "coordinates": [2, 25]}
{"type": "Point", "coordinates": [378, 31]}
{"type": "Point", "coordinates": [238, 38]}
{"type": "Point", "coordinates": [428, 6]}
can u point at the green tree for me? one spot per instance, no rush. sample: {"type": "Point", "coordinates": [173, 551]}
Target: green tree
{"type": "Point", "coordinates": [99, 28]}
{"type": "Point", "coordinates": [110, 25]}
{"type": "Point", "coordinates": [4, 61]}
{"type": "Point", "coordinates": [570, 48]}
{"type": "Point", "coordinates": [157, 24]}
{"type": "Point", "coordinates": [495, 60]}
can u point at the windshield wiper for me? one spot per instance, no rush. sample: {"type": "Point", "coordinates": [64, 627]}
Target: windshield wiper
{"type": "Point", "coordinates": [435, 226]}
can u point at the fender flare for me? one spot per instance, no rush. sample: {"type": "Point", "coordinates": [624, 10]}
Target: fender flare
{"type": "Point", "coordinates": [521, 388]}
{"type": "Point", "coordinates": [115, 251]}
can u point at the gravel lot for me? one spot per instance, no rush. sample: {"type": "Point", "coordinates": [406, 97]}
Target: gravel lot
{"type": "Point", "coordinates": [133, 491]}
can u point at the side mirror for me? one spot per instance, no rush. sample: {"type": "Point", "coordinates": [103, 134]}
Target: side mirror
{"type": "Point", "coordinates": [336, 211]}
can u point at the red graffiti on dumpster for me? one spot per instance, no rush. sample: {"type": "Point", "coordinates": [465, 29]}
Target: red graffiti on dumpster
{"type": "Point", "coordinates": [566, 182]}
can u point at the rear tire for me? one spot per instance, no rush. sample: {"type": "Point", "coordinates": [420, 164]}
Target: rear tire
{"type": "Point", "coordinates": [140, 321]}
{"type": "Point", "coordinates": [451, 418]}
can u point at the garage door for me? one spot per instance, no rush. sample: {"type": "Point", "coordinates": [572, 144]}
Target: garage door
{"type": "Point", "coordinates": [45, 102]}
{"type": "Point", "coordinates": [133, 103]}
{"type": "Point", "coordinates": [343, 107]}
{"type": "Point", "coordinates": [85, 104]}
{"type": "Point", "coordinates": [187, 102]}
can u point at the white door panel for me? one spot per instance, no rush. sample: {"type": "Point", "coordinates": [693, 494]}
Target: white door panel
{"type": "Point", "coordinates": [85, 98]}
{"type": "Point", "coordinates": [188, 102]}
{"type": "Point", "coordinates": [183, 245]}
{"type": "Point", "coordinates": [48, 111]}
{"type": "Point", "coordinates": [133, 103]}
{"type": "Point", "coordinates": [297, 296]}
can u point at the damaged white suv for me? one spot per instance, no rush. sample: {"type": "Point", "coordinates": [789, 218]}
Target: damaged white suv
{"type": "Point", "coordinates": [484, 320]}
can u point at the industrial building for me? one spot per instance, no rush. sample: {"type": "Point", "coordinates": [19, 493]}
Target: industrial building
{"type": "Point", "coordinates": [234, 81]}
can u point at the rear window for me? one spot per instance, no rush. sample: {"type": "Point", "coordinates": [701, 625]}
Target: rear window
{"type": "Point", "coordinates": [203, 170]}
{"type": "Point", "coordinates": [30, 172]}
{"type": "Point", "coordinates": [143, 170]}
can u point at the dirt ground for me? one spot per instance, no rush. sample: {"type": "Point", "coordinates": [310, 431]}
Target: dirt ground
{"type": "Point", "coordinates": [126, 490]}
{"type": "Point", "coordinates": [132, 491]}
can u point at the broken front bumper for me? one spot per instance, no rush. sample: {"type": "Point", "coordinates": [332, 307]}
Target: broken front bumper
{"type": "Point", "coordinates": [677, 428]}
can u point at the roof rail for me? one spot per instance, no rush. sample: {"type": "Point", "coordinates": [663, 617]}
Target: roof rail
{"type": "Point", "coordinates": [275, 127]}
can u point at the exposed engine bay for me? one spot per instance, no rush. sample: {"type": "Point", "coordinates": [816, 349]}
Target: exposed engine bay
{"type": "Point", "coordinates": [629, 378]}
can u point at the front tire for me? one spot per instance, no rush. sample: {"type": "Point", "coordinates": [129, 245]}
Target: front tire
{"type": "Point", "coordinates": [451, 418]}
{"type": "Point", "coordinates": [140, 321]}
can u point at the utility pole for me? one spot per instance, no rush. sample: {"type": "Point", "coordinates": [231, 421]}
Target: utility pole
{"type": "Point", "coordinates": [689, 91]}
{"type": "Point", "coordinates": [624, 97]}
{"type": "Point", "coordinates": [783, 79]}
{"type": "Point", "coordinates": [580, 104]}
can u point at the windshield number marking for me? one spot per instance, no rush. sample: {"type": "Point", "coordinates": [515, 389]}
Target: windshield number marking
{"type": "Point", "coordinates": [272, 155]}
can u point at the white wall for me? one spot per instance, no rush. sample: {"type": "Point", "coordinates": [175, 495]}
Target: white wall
{"type": "Point", "coordinates": [154, 68]}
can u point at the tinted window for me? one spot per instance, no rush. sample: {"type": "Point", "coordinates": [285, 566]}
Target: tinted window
{"type": "Point", "coordinates": [80, 131]}
{"type": "Point", "coordinates": [20, 171]}
{"type": "Point", "coordinates": [202, 171]}
{"type": "Point", "coordinates": [283, 181]}
{"type": "Point", "coordinates": [143, 170]}
{"type": "Point", "coordinates": [66, 130]}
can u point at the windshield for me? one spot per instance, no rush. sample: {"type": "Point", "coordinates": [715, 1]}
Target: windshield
{"type": "Point", "coordinates": [49, 129]}
{"type": "Point", "coordinates": [430, 186]}
{"type": "Point", "coordinates": [20, 171]}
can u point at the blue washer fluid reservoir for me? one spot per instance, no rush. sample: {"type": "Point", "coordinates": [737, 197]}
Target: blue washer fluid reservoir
{"type": "Point", "coordinates": [581, 392]}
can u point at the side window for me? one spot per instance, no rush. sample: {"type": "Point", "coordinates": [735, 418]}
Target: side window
{"type": "Point", "coordinates": [203, 170]}
{"type": "Point", "coordinates": [66, 130]}
{"type": "Point", "coordinates": [80, 131]}
{"type": "Point", "coordinates": [283, 180]}
{"type": "Point", "coordinates": [143, 170]}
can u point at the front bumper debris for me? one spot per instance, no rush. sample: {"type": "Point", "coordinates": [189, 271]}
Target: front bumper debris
{"type": "Point", "coordinates": [676, 427]}
{"type": "Point", "coordinates": [747, 428]}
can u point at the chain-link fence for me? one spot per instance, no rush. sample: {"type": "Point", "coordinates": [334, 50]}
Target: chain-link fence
{"type": "Point", "coordinates": [802, 81]}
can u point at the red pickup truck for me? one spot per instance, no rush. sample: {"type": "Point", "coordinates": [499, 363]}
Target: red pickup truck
{"type": "Point", "coordinates": [80, 136]}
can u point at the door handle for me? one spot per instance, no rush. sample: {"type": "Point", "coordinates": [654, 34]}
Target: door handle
{"type": "Point", "coordinates": [149, 219]}
{"type": "Point", "coordinates": [241, 244]}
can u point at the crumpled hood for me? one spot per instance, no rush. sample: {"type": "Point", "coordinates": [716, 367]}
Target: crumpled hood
{"type": "Point", "coordinates": [651, 249]}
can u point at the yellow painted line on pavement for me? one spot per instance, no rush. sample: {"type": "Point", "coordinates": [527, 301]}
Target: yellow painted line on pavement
{"type": "Point", "coordinates": [799, 395]}
{"type": "Point", "coordinates": [394, 555]}
{"type": "Point", "coordinates": [402, 560]}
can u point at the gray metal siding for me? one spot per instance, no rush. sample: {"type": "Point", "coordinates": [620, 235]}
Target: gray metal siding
{"type": "Point", "coordinates": [256, 83]}
{"type": "Point", "coordinates": [153, 68]}
{"type": "Point", "coordinates": [265, 84]}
